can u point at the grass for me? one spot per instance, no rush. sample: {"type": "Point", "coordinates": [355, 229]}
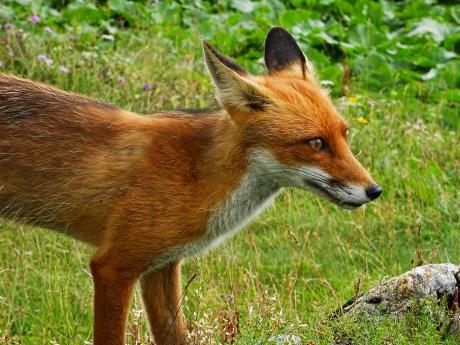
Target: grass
{"type": "Point", "coordinates": [290, 269]}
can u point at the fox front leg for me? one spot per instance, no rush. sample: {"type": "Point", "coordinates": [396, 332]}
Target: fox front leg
{"type": "Point", "coordinates": [112, 295]}
{"type": "Point", "coordinates": [161, 293]}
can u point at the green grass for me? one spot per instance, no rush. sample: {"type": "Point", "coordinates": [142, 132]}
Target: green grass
{"type": "Point", "coordinates": [289, 270]}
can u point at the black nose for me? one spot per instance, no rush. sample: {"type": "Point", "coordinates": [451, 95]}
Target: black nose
{"type": "Point", "coordinates": [373, 191]}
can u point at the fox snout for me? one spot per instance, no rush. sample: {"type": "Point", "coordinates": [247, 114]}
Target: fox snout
{"type": "Point", "coordinates": [347, 185]}
{"type": "Point", "coordinates": [354, 187]}
{"type": "Point", "coordinates": [349, 196]}
{"type": "Point", "coordinates": [354, 195]}
{"type": "Point", "coordinates": [345, 195]}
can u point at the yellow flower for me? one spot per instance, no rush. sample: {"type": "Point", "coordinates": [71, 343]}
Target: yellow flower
{"type": "Point", "coordinates": [353, 99]}
{"type": "Point", "coordinates": [362, 120]}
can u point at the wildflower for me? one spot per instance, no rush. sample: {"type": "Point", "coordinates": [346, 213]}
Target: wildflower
{"type": "Point", "coordinates": [121, 80]}
{"type": "Point", "coordinates": [34, 19]}
{"type": "Point", "coordinates": [146, 86]}
{"type": "Point", "coordinates": [353, 99]}
{"type": "Point", "coordinates": [48, 30]}
{"type": "Point", "coordinates": [108, 37]}
{"type": "Point", "coordinates": [45, 59]}
{"type": "Point", "coordinates": [362, 120]}
{"type": "Point", "coordinates": [64, 69]}
{"type": "Point", "coordinates": [327, 83]}
{"type": "Point", "coordinates": [89, 55]}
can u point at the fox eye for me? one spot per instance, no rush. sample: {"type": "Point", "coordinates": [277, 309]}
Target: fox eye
{"type": "Point", "coordinates": [316, 144]}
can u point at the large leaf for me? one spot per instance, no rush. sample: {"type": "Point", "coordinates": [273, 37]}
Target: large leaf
{"type": "Point", "coordinates": [83, 11]}
{"type": "Point", "coordinates": [245, 6]}
{"type": "Point", "coordinates": [438, 31]}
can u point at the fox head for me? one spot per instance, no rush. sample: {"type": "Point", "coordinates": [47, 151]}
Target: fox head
{"type": "Point", "coordinates": [298, 137]}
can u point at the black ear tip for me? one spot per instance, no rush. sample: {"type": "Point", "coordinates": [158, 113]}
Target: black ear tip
{"type": "Point", "coordinates": [276, 29]}
{"type": "Point", "coordinates": [282, 50]}
{"type": "Point", "coordinates": [278, 32]}
{"type": "Point", "coordinates": [213, 53]}
{"type": "Point", "coordinates": [210, 49]}
{"type": "Point", "coordinates": [206, 45]}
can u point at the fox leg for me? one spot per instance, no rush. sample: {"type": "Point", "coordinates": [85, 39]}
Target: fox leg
{"type": "Point", "coordinates": [161, 293]}
{"type": "Point", "coordinates": [112, 295]}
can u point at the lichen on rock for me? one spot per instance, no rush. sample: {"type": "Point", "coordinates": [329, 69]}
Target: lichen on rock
{"type": "Point", "coordinates": [396, 295]}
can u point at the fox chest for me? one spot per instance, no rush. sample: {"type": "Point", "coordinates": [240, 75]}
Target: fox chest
{"type": "Point", "coordinates": [238, 209]}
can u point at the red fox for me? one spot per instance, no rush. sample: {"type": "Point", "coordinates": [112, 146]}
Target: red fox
{"type": "Point", "coordinates": [149, 191]}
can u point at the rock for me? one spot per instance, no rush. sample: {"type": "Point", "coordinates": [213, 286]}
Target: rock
{"type": "Point", "coordinates": [396, 295]}
{"type": "Point", "coordinates": [285, 339]}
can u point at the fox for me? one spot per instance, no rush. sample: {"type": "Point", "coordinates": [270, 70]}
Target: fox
{"type": "Point", "coordinates": [148, 191]}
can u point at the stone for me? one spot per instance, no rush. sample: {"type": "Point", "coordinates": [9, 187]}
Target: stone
{"type": "Point", "coordinates": [396, 295]}
{"type": "Point", "coordinates": [285, 339]}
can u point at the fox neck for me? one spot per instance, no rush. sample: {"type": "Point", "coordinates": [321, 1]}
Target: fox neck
{"type": "Point", "coordinates": [243, 203]}
{"type": "Point", "coordinates": [230, 175]}
{"type": "Point", "coordinates": [232, 164]}
{"type": "Point", "coordinates": [248, 186]}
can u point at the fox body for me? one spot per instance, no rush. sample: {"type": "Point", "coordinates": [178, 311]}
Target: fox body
{"type": "Point", "coordinates": [147, 191]}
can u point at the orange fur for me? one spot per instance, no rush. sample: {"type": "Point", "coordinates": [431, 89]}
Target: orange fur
{"type": "Point", "coordinates": [140, 187]}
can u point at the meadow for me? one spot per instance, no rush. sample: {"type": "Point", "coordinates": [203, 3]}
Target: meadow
{"type": "Point", "coordinates": [393, 70]}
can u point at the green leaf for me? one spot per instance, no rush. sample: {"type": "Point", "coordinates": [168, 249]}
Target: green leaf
{"type": "Point", "coordinates": [124, 8]}
{"type": "Point", "coordinates": [245, 6]}
{"type": "Point", "coordinates": [429, 75]}
{"type": "Point", "coordinates": [296, 18]}
{"type": "Point", "coordinates": [83, 12]}
{"type": "Point", "coordinates": [438, 31]}
{"type": "Point", "coordinates": [333, 73]}
{"type": "Point", "coordinates": [328, 39]}
{"type": "Point", "coordinates": [6, 13]}
{"type": "Point", "coordinates": [452, 95]}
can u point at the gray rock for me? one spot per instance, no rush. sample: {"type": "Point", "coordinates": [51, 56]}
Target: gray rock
{"type": "Point", "coordinates": [285, 339]}
{"type": "Point", "coordinates": [396, 295]}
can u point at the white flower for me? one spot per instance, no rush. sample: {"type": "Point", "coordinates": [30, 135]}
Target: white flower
{"type": "Point", "coordinates": [107, 37]}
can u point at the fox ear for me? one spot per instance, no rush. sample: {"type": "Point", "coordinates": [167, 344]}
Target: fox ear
{"type": "Point", "coordinates": [235, 89]}
{"type": "Point", "coordinates": [282, 54]}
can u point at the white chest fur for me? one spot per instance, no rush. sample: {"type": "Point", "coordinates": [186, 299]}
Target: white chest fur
{"type": "Point", "coordinates": [245, 203]}
{"type": "Point", "coordinates": [250, 197]}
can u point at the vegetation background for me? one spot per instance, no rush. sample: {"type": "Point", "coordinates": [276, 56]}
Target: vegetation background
{"type": "Point", "coordinates": [393, 68]}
